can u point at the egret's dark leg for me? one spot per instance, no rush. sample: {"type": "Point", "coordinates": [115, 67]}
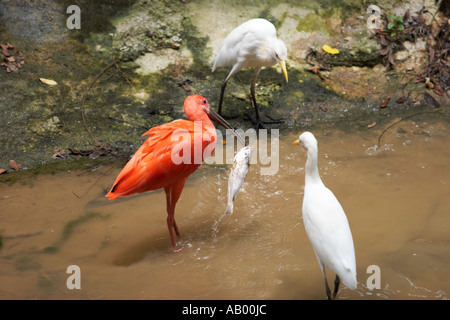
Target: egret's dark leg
{"type": "Point", "coordinates": [259, 124]}
{"type": "Point", "coordinates": [222, 91]}
{"type": "Point", "coordinates": [327, 288]}
{"type": "Point", "coordinates": [337, 281]}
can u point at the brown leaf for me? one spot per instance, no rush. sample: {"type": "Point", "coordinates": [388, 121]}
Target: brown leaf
{"type": "Point", "coordinates": [14, 165]}
{"type": "Point", "coordinates": [3, 171]}
{"type": "Point", "coordinates": [185, 85]}
{"type": "Point", "coordinates": [385, 102]}
{"type": "Point", "coordinates": [59, 154]}
{"type": "Point", "coordinates": [438, 91]}
{"type": "Point", "coordinates": [383, 40]}
{"type": "Point", "coordinates": [402, 99]}
{"type": "Point", "coordinates": [384, 51]}
{"type": "Point", "coordinates": [74, 152]}
{"type": "Point", "coordinates": [371, 125]}
{"type": "Point", "coordinates": [391, 57]}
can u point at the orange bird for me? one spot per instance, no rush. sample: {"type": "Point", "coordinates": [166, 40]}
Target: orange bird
{"type": "Point", "coordinates": [170, 154]}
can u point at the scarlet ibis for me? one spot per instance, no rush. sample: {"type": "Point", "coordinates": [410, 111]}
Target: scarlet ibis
{"type": "Point", "coordinates": [326, 223]}
{"type": "Point", "coordinates": [252, 44]}
{"type": "Point", "coordinates": [171, 153]}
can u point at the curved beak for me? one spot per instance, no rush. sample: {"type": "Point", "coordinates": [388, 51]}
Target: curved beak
{"type": "Point", "coordinates": [283, 67]}
{"type": "Point", "coordinates": [296, 142]}
{"type": "Point", "coordinates": [217, 118]}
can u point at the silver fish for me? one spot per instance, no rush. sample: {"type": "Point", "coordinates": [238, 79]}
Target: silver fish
{"type": "Point", "coordinates": [237, 175]}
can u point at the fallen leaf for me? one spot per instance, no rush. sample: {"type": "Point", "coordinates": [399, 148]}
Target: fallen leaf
{"type": "Point", "coordinates": [48, 81]}
{"type": "Point", "coordinates": [3, 171]}
{"type": "Point", "coordinates": [316, 70]}
{"type": "Point", "coordinates": [402, 99]}
{"type": "Point", "coordinates": [437, 91]}
{"type": "Point", "coordinates": [14, 165]}
{"type": "Point", "coordinates": [329, 49]}
{"type": "Point", "coordinates": [185, 85]}
{"type": "Point", "coordinates": [385, 102]}
{"type": "Point", "coordinates": [59, 154]}
{"type": "Point", "coordinates": [371, 125]}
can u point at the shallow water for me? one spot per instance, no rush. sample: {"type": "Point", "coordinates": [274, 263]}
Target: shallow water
{"type": "Point", "coordinates": [396, 199]}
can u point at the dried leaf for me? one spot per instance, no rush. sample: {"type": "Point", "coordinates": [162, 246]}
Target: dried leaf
{"type": "Point", "coordinates": [384, 41]}
{"type": "Point", "coordinates": [59, 154]}
{"type": "Point", "coordinates": [391, 56]}
{"type": "Point", "coordinates": [329, 49]}
{"type": "Point", "coordinates": [185, 85]}
{"type": "Point", "coordinates": [437, 91]}
{"type": "Point", "coordinates": [402, 99]}
{"type": "Point", "coordinates": [385, 102]}
{"type": "Point", "coordinates": [3, 171]}
{"type": "Point", "coordinates": [384, 51]}
{"type": "Point", "coordinates": [14, 165]}
{"type": "Point", "coordinates": [48, 81]}
{"type": "Point", "coordinates": [371, 125]}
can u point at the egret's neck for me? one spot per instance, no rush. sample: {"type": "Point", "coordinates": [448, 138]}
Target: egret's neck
{"type": "Point", "coordinates": [266, 52]}
{"type": "Point", "coordinates": [311, 169]}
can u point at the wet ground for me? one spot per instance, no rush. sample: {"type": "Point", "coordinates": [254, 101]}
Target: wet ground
{"type": "Point", "coordinates": [395, 197]}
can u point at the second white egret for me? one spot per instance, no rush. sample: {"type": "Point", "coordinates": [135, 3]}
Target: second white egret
{"type": "Point", "coordinates": [326, 223]}
{"type": "Point", "coordinates": [252, 44]}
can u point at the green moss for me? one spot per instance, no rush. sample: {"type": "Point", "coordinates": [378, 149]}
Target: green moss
{"type": "Point", "coordinates": [312, 22]}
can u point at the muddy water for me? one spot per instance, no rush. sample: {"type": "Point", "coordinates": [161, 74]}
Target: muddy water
{"type": "Point", "coordinates": [396, 198]}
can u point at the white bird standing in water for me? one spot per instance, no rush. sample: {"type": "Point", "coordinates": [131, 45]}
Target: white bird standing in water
{"type": "Point", "coordinates": [253, 44]}
{"type": "Point", "coordinates": [326, 223]}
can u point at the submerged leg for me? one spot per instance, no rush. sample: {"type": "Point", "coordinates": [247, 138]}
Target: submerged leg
{"type": "Point", "coordinates": [337, 281]}
{"type": "Point", "coordinates": [172, 195]}
{"type": "Point", "coordinates": [327, 288]}
{"type": "Point", "coordinates": [170, 217]}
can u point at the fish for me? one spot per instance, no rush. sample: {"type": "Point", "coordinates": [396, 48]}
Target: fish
{"type": "Point", "coordinates": [241, 163]}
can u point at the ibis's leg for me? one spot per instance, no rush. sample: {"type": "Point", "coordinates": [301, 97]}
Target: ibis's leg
{"type": "Point", "coordinates": [170, 217]}
{"type": "Point", "coordinates": [222, 91]}
{"type": "Point", "coordinates": [337, 281]}
{"type": "Point", "coordinates": [172, 195]}
{"type": "Point", "coordinates": [259, 123]}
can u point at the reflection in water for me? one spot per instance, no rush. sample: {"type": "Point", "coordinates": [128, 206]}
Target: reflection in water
{"type": "Point", "coordinates": [395, 197]}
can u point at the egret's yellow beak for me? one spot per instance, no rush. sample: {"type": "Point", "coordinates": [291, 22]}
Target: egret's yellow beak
{"type": "Point", "coordinates": [283, 67]}
{"type": "Point", "coordinates": [296, 142]}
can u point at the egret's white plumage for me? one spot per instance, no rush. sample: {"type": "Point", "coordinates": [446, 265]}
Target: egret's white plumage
{"type": "Point", "coordinates": [252, 44]}
{"type": "Point", "coordinates": [326, 223]}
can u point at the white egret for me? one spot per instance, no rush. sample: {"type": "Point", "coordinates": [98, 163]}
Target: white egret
{"type": "Point", "coordinates": [253, 44]}
{"type": "Point", "coordinates": [326, 223]}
